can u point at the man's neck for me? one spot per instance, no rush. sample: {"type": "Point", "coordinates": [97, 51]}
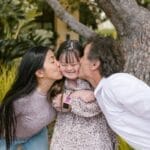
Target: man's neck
{"type": "Point", "coordinates": [95, 81]}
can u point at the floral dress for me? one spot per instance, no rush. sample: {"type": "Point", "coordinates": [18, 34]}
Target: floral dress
{"type": "Point", "coordinates": [84, 128]}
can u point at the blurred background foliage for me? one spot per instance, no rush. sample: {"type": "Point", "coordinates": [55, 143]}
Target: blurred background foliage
{"type": "Point", "coordinates": [21, 26]}
{"type": "Point", "coordinates": [28, 23]}
{"type": "Point", "coordinates": [31, 22]}
{"type": "Point", "coordinates": [7, 77]}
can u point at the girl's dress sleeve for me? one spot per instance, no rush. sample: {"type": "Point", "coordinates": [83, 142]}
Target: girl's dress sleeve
{"type": "Point", "coordinates": [84, 109]}
{"type": "Point", "coordinates": [79, 106]}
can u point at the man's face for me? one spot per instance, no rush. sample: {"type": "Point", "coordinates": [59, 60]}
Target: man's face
{"type": "Point", "coordinates": [85, 71]}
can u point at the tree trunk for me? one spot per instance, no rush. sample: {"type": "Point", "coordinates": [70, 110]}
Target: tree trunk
{"type": "Point", "coordinates": [132, 23]}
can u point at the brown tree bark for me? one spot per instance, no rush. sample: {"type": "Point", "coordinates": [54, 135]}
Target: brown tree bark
{"type": "Point", "coordinates": [132, 23]}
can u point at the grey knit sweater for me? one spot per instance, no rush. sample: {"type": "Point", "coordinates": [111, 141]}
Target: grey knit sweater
{"type": "Point", "coordinates": [33, 113]}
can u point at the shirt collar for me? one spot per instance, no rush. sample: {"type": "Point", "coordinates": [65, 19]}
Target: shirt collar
{"type": "Point", "coordinates": [100, 85]}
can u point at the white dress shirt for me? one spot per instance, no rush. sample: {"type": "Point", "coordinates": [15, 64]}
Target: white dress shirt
{"type": "Point", "coordinates": [125, 102]}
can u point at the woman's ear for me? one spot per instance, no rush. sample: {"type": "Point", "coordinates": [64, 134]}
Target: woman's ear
{"type": "Point", "coordinates": [39, 73]}
{"type": "Point", "coordinates": [95, 65]}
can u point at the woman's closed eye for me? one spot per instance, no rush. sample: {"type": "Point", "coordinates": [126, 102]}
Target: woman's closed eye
{"type": "Point", "coordinates": [52, 59]}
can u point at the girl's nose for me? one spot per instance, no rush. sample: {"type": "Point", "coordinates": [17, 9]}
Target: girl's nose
{"type": "Point", "coordinates": [69, 67]}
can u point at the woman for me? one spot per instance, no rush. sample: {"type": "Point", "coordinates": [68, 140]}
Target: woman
{"type": "Point", "coordinates": [80, 124]}
{"type": "Point", "coordinates": [25, 111]}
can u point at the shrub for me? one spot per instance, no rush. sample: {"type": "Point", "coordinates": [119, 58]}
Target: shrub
{"type": "Point", "coordinates": [123, 145]}
{"type": "Point", "coordinates": [7, 75]}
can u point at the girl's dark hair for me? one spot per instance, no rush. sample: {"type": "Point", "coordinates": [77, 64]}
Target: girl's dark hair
{"type": "Point", "coordinates": [106, 50]}
{"type": "Point", "coordinates": [68, 48]}
{"type": "Point", "coordinates": [23, 85]}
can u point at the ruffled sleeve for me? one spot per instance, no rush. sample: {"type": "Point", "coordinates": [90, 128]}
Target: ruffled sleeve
{"type": "Point", "coordinates": [81, 108]}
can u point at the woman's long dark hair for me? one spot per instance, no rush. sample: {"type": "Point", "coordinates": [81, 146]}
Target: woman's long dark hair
{"type": "Point", "coordinates": [23, 85]}
{"type": "Point", "coordinates": [68, 48]}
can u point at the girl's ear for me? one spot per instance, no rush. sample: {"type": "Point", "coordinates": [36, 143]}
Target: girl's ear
{"type": "Point", "coordinates": [39, 73]}
{"type": "Point", "coordinates": [95, 65]}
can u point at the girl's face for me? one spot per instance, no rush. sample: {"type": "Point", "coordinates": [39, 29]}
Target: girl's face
{"type": "Point", "coordinates": [51, 67]}
{"type": "Point", "coordinates": [70, 69]}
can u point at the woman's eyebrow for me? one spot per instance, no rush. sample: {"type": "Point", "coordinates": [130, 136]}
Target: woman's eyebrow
{"type": "Point", "coordinates": [51, 56]}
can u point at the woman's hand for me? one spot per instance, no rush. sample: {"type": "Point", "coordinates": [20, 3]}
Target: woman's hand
{"type": "Point", "coordinates": [57, 102]}
{"type": "Point", "coordinates": [61, 102]}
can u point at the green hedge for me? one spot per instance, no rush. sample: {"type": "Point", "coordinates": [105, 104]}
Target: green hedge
{"type": "Point", "coordinates": [7, 75]}
{"type": "Point", "coordinates": [108, 32]}
{"type": "Point", "coordinates": [123, 145]}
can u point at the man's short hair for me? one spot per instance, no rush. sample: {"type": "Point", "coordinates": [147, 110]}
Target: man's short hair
{"type": "Point", "coordinates": [105, 50]}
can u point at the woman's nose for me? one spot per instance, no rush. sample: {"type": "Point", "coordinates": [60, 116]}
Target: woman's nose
{"type": "Point", "coordinates": [57, 63]}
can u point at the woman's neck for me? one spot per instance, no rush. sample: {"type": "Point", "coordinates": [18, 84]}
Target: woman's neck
{"type": "Point", "coordinates": [44, 86]}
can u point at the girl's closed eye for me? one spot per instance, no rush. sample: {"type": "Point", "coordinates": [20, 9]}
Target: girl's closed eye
{"type": "Point", "coordinates": [74, 64]}
{"type": "Point", "coordinates": [63, 64]}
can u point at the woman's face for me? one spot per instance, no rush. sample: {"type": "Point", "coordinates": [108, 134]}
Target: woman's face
{"type": "Point", "coordinates": [51, 67]}
{"type": "Point", "coordinates": [70, 70]}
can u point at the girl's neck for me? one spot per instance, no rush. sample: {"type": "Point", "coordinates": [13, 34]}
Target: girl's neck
{"type": "Point", "coordinates": [71, 83]}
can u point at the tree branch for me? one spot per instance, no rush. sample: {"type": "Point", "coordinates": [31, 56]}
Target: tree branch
{"type": "Point", "coordinates": [70, 20]}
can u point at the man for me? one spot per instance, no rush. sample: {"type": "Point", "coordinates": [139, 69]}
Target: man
{"type": "Point", "coordinates": [124, 99]}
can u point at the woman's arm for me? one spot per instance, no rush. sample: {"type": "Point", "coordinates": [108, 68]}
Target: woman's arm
{"type": "Point", "coordinates": [57, 102]}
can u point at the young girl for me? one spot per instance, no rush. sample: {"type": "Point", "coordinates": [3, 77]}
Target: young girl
{"type": "Point", "coordinates": [25, 111]}
{"type": "Point", "coordinates": [80, 124]}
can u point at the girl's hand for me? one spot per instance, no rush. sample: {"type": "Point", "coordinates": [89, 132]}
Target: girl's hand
{"type": "Point", "coordinates": [85, 95]}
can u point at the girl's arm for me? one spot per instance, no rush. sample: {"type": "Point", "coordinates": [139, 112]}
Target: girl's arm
{"type": "Point", "coordinates": [77, 104]}
{"type": "Point", "coordinates": [84, 109]}
{"type": "Point", "coordinates": [85, 95]}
